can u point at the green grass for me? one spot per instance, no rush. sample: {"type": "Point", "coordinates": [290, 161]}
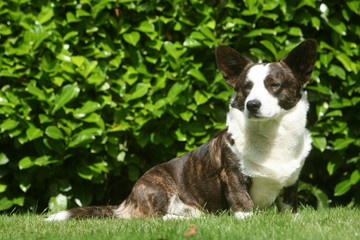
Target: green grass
{"type": "Point", "coordinates": [335, 223]}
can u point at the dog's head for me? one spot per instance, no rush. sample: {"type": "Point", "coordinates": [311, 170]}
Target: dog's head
{"type": "Point", "coordinates": [264, 90]}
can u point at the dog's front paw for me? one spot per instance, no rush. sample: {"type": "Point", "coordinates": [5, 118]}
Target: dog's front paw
{"type": "Point", "coordinates": [243, 215]}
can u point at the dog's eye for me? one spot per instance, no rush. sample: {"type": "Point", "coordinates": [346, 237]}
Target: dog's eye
{"type": "Point", "coordinates": [274, 85]}
{"type": "Point", "coordinates": [247, 86]}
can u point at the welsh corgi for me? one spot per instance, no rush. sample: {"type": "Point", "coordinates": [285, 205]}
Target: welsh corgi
{"type": "Point", "coordinates": [253, 163]}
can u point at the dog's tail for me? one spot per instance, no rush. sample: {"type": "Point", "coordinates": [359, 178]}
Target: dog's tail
{"type": "Point", "coordinates": [84, 212]}
{"type": "Point", "coordinates": [123, 211]}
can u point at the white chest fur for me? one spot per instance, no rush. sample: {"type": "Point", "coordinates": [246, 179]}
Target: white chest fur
{"type": "Point", "coordinates": [271, 152]}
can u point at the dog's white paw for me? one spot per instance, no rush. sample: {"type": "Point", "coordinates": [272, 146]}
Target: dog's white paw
{"type": "Point", "coordinates": [243, 215]}
{"type": "Point", "coordinates": [173, 216]}
{"type": "Point", "coordinates": [296, 215]}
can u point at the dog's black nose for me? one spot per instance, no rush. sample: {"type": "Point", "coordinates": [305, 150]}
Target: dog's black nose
{"type": "Point", "coordinates": [253, 105]}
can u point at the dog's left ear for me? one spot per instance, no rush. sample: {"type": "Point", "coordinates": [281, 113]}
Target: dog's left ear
{"type": "Point", "coordinates": [301, 60]}
{"type": "Point", "coordinates": [231, 64]}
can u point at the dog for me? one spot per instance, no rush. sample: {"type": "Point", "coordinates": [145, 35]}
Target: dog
{"type": "Point", "coordinates": [253, 163]}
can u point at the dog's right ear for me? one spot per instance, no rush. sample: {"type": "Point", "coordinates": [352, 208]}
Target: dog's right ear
{"type": "Point", "coordinates": [231, 63]}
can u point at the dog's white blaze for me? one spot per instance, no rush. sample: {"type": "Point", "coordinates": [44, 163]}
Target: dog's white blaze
{"type": "Point", "coordinates": [178, 208]}
{"type": "Point", "coordinates": [272, 151]}
{"type": "Point", "coordinates": [60, 216]}
{"type": "Point", "coordinates": [269, 104]}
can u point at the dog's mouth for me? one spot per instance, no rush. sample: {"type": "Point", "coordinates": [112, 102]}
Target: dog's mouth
{"type": "Point", "coordinates": [258, 116]}
{"type": "Point", "coordinates": [255, 116]}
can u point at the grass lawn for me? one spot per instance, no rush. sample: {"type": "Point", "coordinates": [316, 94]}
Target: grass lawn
{"type": "Point", "coordinates": [334, 223]}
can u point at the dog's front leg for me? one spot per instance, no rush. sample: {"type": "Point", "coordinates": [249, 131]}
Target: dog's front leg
{"type": "Point", "coordinates": [287, 200]}
{"type": "Point", "coordinates": [237, 194]}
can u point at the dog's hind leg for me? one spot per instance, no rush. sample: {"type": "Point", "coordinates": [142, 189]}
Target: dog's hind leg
{"type": "Point", "coordinates": [177, 209]}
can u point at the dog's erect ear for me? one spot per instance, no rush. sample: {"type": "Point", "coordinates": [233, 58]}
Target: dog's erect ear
{"type": "Point", "coordinates": [231, 63]}
{"type": "Point", "coordinates": [301, 60]}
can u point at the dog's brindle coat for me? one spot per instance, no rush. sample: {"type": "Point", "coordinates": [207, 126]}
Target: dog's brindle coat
{"type": "Point", "coordinates": [210, 178]}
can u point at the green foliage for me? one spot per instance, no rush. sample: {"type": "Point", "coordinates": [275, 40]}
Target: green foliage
{"type": "Point", "coordinates": [94, 93]}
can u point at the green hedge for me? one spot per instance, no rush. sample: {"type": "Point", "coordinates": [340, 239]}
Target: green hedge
{"type": "Point", "coordinates": [94, 93]}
